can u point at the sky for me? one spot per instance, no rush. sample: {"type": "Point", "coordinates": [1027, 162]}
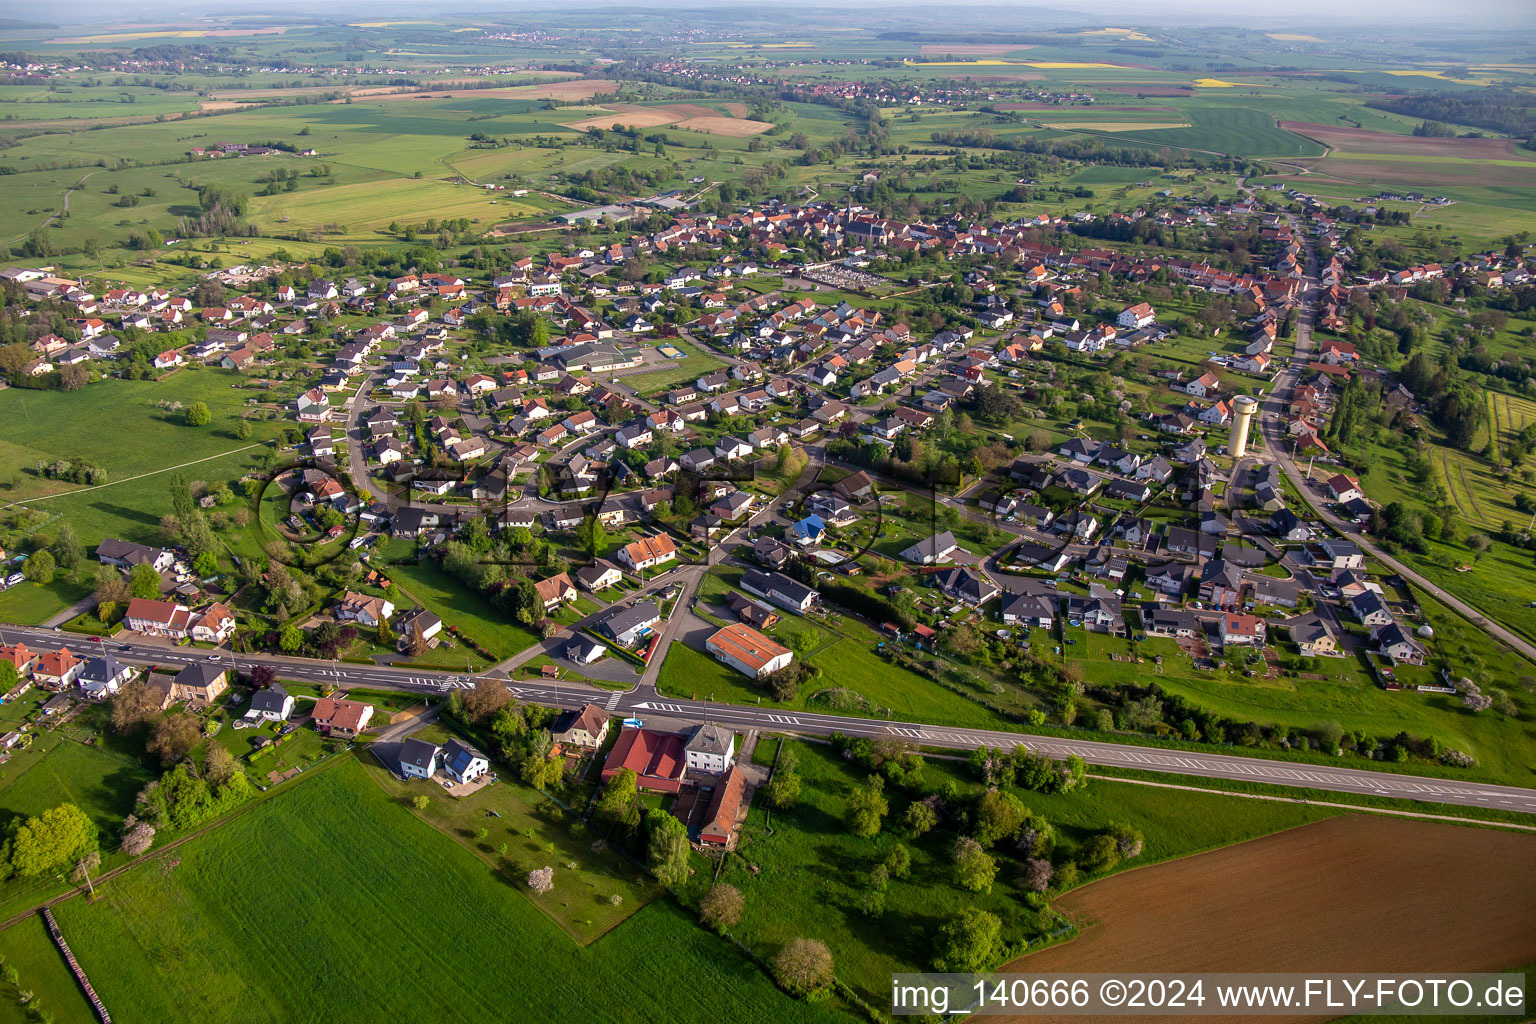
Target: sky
{"type": "Point", "coordinates": [1517, 15]}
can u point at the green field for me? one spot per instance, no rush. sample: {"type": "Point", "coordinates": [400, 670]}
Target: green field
{"type": "Point", "coordinates": [28, 947]}
{"type": "Point", "coordinates": [197, 939]}
{"type": "Point", "coordinates": [812, 871]}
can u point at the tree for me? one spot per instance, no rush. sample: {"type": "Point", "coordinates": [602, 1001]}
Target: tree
{"type": "Point", "coordinates": [919, 819]}
{"type": "Point", "coordinates": [219, 766]}
{"type": "Point", "coordinates": [262, 676]}
{"type": "Point", "coordinates": [898, 863]}
{"type": "Point", "coordinates": [243, 430]}
{"type": "Point", "coordinates": [39, 567]}
{"type": "Point", "coordinates": [198, 415]}
{"type": "Point", "coordinates": [1128, 840]}
{"type": "Point", "coordinates": [542, 880]}
{"type": "Point", "coordinates": [783, 789]}
{"type": "Point", "coordinates": [58, 836]}
{"type": "Point", "coordinates": [138, 839]}
{"type": "Point", "coordinates": [1037, 873]}
{"type": "Point", "coordinates": [67, 550]}
{"type": "Point", "coordinates": [206, 564]}
{"type": "Point", "coordinates": [998, 816]}
{"type": "Point", "coordinates": [487, 698]}
{"type": "Point", "coordinates": [9, 677]}
{"type": "Point", "coordinates": [174, 736]}
{"type": "Point", "coordinates": [974, 869]}
{"type": "Point", "coordinates": [592, 536]}
{"type": "Point", "coordinates": [1100, 853]}
{"type": "Point", "coordinates": [667, 848]}
{"type": "Point", "coordinates": [618, 798]}
{"type": "Point", "coordinates": [420, 801]}
{"type": "Point", "coordinates": [291, 639]}
{"type": "Point", "coordinates": [803, 967]}
{"type": "Point", "coordinates": [866, 807]}
{"type": "Point", "coordinates": [134, 705]}
{"type": "Point", "coordinates": [722, 907]}
{"type": "Point", "coordinates": [971, 941]}
{"type": "Point", "coordinates": [144, 581]}
{"type": "Point", "coordinates": [84, 865]}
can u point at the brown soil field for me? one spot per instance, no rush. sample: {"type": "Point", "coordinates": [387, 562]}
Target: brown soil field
{"type": "Point", "coordinates": [686, 110]}
{"type": "Point", "coordinates": [971, 49]}
{"type": "Point", "coordinates": [1353, 893]}
{"type": "Point", "coordinates": [736, 109]}
{"type": "Point", "coordinates": [731, 127]}
{"type": "Point", "coordinates": [1021, 76]}
{"type": "Point", "coordinates": [651, 118]}
{"type": "Point", "coordinates": [1360, 140]}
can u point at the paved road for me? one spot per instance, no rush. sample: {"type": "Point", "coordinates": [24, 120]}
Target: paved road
{"type": "Point", "coordinates": [1272, 420]}
{"type": "Point", "coordinates": [644, 703]}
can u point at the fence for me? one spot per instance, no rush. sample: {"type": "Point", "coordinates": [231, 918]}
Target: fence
{"type": "Point", "coordinates": [74, 965]}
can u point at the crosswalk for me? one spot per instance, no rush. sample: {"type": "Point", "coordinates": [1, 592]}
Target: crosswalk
{"type": "Point", "coordinates": [783, 719]}
{"type": "Point", "coordinates": [613, 700]}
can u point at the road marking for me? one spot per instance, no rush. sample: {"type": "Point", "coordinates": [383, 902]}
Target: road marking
{"type": "Point", "coordinates": [784, 719]}
{"type": "Point", "coordinates": [613, 699]}
{"type": "Point", "coordinates": [915, 734]}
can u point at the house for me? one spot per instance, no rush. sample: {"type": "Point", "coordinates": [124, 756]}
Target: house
{"type": "Point", "coordinates": [158, 618]}
{"type": "Point", "coordinates": [1312, 635]}
{"type": "Point", "coordinates": [719, 828]}
{"type": "Point", "coordinates": [1242, 630]}
{"type": "Point", "coordinates": [363, 609]}
{"type": "Point", "coordinates": [418, 758]}
{"type": "Point", "coordinates": [656, 758]}
{"type": "Point", "coordinates": [1344, 488]}
{"type": "Point", "coordinates": [747, 651]}
{"type": "Point", "coordinates": [1394, 642]}
{"type": "Point", "coordinates": [1033, 606]}
{"type": "Point", "coordinates": [57, 670]}
{"type": "Point", "coordinates": [1284, 523]}
{"type": "Point", "coordinates": [463, 764]}
{"type": "Point", "coordinates": [1204, 385]}
{"type": "Point", "coordinates": [1334, 553]}
{"type": "Point", "coordinates": [555, 591]}
{"type": "Point", "coordinates": [933, 550]}
{"type": "Point", "coordinates": [201, 682]}
{"type": "Point", "coordinates": [417, 624]}
{"type": "Point", "coordinates": [648, 552]}
{"type": "Point", "coordinates": [627, 625]}
{"type": "Point", "coordinates": [710, 748]}
{"type": "Point", "coordinates": [855, 486]}
{"type": "Point", "coordinates": [18, 655]}
{"type": "Point", "coordinates": [966, 586]}
{"type": "Point", "coordinates": [126, 554]}
{"type": "Point", "coordinates": [1099, 611]}
{"type": "Point", "coordinates": [1136, 317]}
{"type": "Point", "coordinates": [1172, 622]}
{"type": "Point", "coordinates": [772, 553]}
{"type": "Point", "coordinates": [600, 575]}
{"type": "Point", "coordinates": [583, 650]}
{"type": "Point", "coordinates": [807, 531]}
{"type": "Point", "coordinates": [585, 728]}
{"type": "Point", "coordinates": [103, 676]}
{"type": "Point", "coordinates": [787, 593]}
{"type": "Point", "coordinates": [1369, 607]}
{"type": "Point", "coordinates": [273, 704]}
{"type": "Point", "coordinates": [341, 719]}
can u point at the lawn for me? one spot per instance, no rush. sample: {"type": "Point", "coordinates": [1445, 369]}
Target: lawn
{"type": "Point", "coordinates": [523, 821]}
{"type": "Point", "coordinates": [811, 869]}
{"type": "Point", "coordinates": [93, 424]}
{"type": "Point", "coordinates": [187, 937]}
{"type": "Point", "coordinates": [101, 782]}
{"type": "Point", "coordinates": [462, 608]}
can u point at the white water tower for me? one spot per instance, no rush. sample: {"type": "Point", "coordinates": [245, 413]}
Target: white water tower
{"type": "Point", "coordinates": [1243, 408]}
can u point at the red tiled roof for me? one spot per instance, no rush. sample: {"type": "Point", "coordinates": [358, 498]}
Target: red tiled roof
{"type": "Point", "coordinates": [655, 757]}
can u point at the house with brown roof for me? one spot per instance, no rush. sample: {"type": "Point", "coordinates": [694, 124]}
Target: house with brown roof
{"type": "Point", "coordinates": [214, 624]}
{"type": "Point", "coordinates": [725, 805]}
{"type": "Point", "coordinates": [363, 609]}
{"type": "Point", "coordinates": [56, 670]}
{"type": "Point", "coordinates": [648, 551]}
{"type": "Point", "coordinates": [555, 591]}
{"type": "Point", "coordinates": [201, 682]}
{"type": "Point", "coordinates": [748, 651]}
{"type": "Point", "coordinates": [158, 618]}
{"type": "Point", "coordinates": [341, 719]}
{"type": "Point", "coordinates": [586, 728]}
{"type": "Point", "coordinates": [20, 656]}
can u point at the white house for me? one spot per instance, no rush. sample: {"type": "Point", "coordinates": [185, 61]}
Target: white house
{"type": "Point", "coordinates": [418, 758]}
{"type": "Point", "coordinates": [1137, 316]}
{"type": "Point", "coordinates": [710, 748]}
{"type": "Point", "coordinates": [273, 704]}
{"type": "Point", "coordinates": [463, 764]}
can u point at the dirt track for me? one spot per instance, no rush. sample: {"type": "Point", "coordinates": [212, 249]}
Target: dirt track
{"type": "Point", "coordinates": [1360, 140]}
{"type": "Point", "coordinates": [1353, 893]}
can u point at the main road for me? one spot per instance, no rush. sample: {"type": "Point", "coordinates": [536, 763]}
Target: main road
{"type": "Point", "coordinates": [643, 702]}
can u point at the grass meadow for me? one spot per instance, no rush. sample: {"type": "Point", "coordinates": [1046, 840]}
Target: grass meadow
{"type": "Point", "coordinates": [334, 902]}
